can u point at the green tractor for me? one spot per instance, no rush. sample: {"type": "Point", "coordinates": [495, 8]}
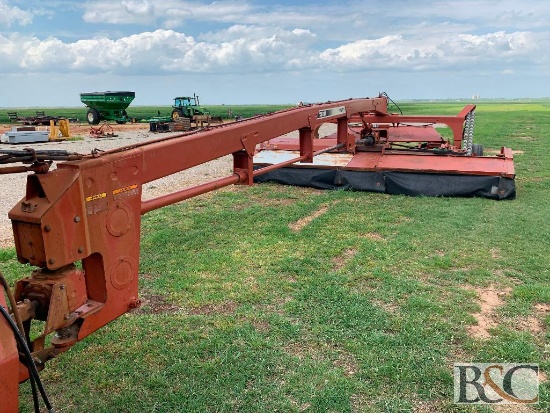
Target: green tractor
{"type": "Point", "coordinates": [189, 107]}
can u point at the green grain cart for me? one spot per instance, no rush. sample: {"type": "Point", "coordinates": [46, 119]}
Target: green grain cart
{"type": "Point", "coordinates": [107, 106]}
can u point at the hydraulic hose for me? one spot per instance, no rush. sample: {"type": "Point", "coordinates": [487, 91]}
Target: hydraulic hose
{"type": "Point", "coordinates": [19, 333]}
{"type": "Point", "coordinates": [30, 362]}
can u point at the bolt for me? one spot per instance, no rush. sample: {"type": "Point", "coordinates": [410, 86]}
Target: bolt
{"type": "Point", "coordinates": [47, 228]}
{"type": "Point", "coordinates": [134, 303]}
{"type": "Point", "coordinates": [62, 287]}
{"type": "Point", "coordinates": [80, 250]}
{"type": "Point", "coordinates": [51, 261]}
{"type": "Point", "coordinates": [77, 219]}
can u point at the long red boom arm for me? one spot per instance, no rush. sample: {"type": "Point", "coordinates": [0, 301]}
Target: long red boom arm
{"type": "Point", "coordinates": [90, 211]}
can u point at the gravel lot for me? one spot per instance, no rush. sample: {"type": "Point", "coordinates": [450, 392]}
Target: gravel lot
{"type": "Point", "coordinates": [13, 185]}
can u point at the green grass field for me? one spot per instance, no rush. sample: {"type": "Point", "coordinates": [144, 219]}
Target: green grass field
{"type": "Point", "coordinates": [363, 309]}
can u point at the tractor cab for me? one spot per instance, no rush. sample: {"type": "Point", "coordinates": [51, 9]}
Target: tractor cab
{"type": "Point", "coordinates": [183, 101]}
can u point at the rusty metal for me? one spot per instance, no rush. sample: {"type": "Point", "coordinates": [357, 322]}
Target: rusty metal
{"type": "Point", "coordinates": [393, 142]}
{"type": "Point", "coordinates": [187, 193]}
{"type": "Point", "coordinates": [9, 364]}
{"type": "Point", "coordinates": [37, 158]}
{"type": "Point", "coordinates": [89, 210]}
{"type": "Point", "coordinates": [103, 131]}
{"type": "Point", "coordinates": [39, 168]}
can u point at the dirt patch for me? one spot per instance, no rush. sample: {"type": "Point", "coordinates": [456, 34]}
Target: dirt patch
{"type": "Point", "coordinates": [318, 351]}
{"type": "Point", "coordinates": [341, 260]}
{"type": "Point", "coordinates": [514, 152]}
{"type": "Point", "coordinates": [360, 402]}
{"type": "Point", "coordinates": [227, 308]}
{"type": "Point", "coordinates": [261, 326]}
{"type": "Point", "coordinates": [534, 324]}
{"type": "Point", "coordinates": [375, 236]}
{"type": "Point", "coordinates": [391, 308]}
{"type": "Point", "coordinates": [543, 309]}
{"type": "Point", "coordinates": [155, 304]}
{"type": "Point", "coordinates": [302, 222]}
{"type": "Point", "coordinates": [277, 307]}
{"type": "Point", "coordinates": [427, 406]}
{"type": "Point", "coordinates": [347, 362]}
{"type": "Point", "coordinates": [302, 350]}
{"type": "Point", "coordinates": [489, 299]}
{"type": "Point", "coordinates": [531, 324]}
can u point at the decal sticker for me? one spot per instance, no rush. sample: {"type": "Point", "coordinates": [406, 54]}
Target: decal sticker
{"type": "Point", "coordinates": [96, 196]}
{"type": "Point", "coordinates": [125, 192]}
{"type": "Point", "coordinates": [327, 113]}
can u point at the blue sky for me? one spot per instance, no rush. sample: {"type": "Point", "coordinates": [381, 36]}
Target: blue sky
{"type": "Point", "coordinates": [277, 51]}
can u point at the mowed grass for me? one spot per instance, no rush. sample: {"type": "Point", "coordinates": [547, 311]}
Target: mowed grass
{"type": "Point", "coordinates": [250, 308]}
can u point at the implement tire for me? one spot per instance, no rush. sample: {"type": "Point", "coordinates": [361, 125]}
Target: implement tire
{"type": "Point", "coordinates": [477, 149]}
{"type": "Point", "coordinates": [93, 116]}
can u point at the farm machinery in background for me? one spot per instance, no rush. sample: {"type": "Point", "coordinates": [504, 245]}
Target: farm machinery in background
{"type": "Point", "coordinates": [188, 109]}
{"type": "Point", "coordinates": [88, 210]}
{"type": "Point", "coordinates": [40, 119]}
{"type": "Point", "coordinates": [112, 105]}
{"type": "Point", "coordinates": [107, 106]}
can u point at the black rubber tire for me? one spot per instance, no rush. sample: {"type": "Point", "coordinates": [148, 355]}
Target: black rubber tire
{"type": "Point", "coordinates": [121, 122]}
{"type": "Point", "coordinates": [176, 113]}
{"type": "Point", "coordinates": [477, 149]}
{"type": "Point", "coordinates": [93, 116]}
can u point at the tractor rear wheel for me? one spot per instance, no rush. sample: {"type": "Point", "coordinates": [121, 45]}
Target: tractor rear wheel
{"type": "Point", "coordinates": [93, 116]}
{"type": "Point", "coordinates": [177, 113]}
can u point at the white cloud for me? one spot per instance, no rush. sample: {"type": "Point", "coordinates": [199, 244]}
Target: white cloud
{"type": "Point", "coordinates": [230, 37]}
{"type": "Point", "coordinates": [398, 52]}
{"type": "Point", "coordinates": [245, 50]}
{"type": "Point", "coordinates": [171, 13]}
{"type": "Point", "coordinates": [10, 15]}
{"type": "Point", "coordinates": [251, 49]}
{"type": "Point", "coordinates": [159, 51]}
{"type": "Point", "coordinates": [138, 7]}
{"type": "Point", "coordinates": [489, 13]}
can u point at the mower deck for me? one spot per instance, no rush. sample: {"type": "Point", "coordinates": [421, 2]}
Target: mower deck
{"type": "Point", "coordinates": [395, 169]}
